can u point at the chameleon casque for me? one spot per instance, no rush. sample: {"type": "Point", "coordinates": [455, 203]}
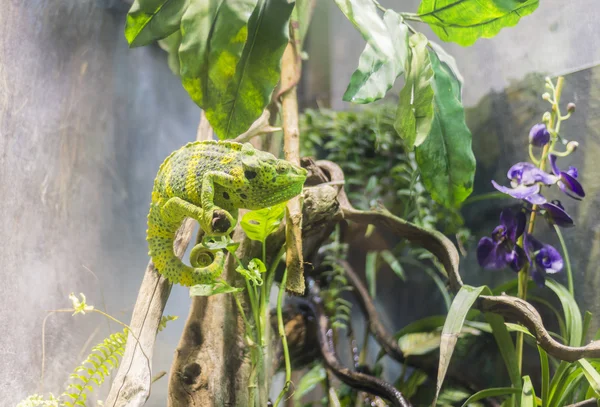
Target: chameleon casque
{"type": "Point", "coordinates": [208, 178]}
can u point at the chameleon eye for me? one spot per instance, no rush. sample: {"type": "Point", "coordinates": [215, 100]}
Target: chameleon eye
{"type": "Point", "coordinates": [281, 168]}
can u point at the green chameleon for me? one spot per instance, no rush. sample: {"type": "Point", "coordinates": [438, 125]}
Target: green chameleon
{"type": "Point", "coordinates": [209, 181]}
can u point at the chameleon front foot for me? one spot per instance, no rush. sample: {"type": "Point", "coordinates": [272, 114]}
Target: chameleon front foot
{"type": "Point", "coordinates": [222, 223]}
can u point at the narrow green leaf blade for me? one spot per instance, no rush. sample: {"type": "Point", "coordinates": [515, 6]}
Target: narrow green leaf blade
{"type": "Point", "coordinates": [415, 106]}
{"type": "Point", "coordinates": [456, 317]}
{"type": "Point", "coordinates": [573, 317]}
{"type": "Point", "coordinates": [309, 381]}
{"type": "Point", "coordinates": [528, 394]}
{"type": "Point", "coordinates": [545, 376]}
{"type": "Point", "coordinates": [493, 392]}
{"type": "Point", "coordinates": [465, 21]}
{"type": "Point", "coordinates": [257, 71]}
{"type": "Point", "coordinates": [394, 264]}
{"type": "Point", "coordinates": [371, 272]}
{"type": "Point", "coordinates": [377, 72]}
{"type": "Point", "coordinates": [591, 374]}
{"type": "Point", "coordinates": [445, 159]}
{"type": "Point", "coordinates": [506, 347]}
{"type": "Point", "coordinates": [151, 20]}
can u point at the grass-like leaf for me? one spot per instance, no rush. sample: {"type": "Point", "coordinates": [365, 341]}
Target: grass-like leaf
{"type": "Point", "coordinates": [493, 392]}
{"type": "Point", "coordinates": [571, 310]}
{"type": "Point", "coordinates": [452, 327]}
{"type": "Point", "coordinates": [527, 394]}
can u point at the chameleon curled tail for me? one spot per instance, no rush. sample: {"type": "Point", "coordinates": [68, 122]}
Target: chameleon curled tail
{"type": "Point", "coordinates": [208, 265]}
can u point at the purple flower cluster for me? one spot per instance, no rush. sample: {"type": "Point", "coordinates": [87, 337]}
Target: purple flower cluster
{"type": "Point", "coordinates": [501, 249]}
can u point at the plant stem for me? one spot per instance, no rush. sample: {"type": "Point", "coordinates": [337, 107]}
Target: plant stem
{"type": "Point", "coordinates": [567, 260]}
{"type": "Point", "coordinates": [554, 127]}
{"type": "Point", "coordinates": [281, 329]}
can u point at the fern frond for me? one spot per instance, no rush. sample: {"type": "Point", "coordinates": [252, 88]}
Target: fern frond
{"type": "Point", "coordinates": [94, 370]}
{"type": "Point", "coordinates": [163, 321]}
{"type": "Point", "coordinates": [37, 400]}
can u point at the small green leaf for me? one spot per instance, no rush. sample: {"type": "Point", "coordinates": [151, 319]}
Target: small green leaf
{"type": "Point", "coordinates": [206, 290]}
{"type": "Point", "coordinates": [415, 106]}
{"type": "Point", "coordinates": [527, 394]}
{"type": "Point", "coordinates": [493, 392]}
{"type": "Point", "coordinates": [254, 271]}
{"type": "Point", "coordinates": [591, 374]}
{"type": "Point", "coordinates": [371, 272]}
{"type": "Point", "coordinates": [445, 159]}
{"type": "Point", "coordinates": [452, 327]}
{"type": "Point", "coordinates": [164, 320]}
{"type": "Point", "coordinates": [261, 223]}
{"type": "Point", "coordinates": [419, 343]}
{"type": "Point", "coordinates": [151, 20]}
{"type": "Point", "coordinates": [309, 381]}
{"type": "Point", "coordinates": [377, 72]}
{"type": "Point", "coordinates": [465, 21]}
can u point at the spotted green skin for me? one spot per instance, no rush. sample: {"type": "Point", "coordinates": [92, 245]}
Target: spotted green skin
{"type": "Point", "coordinates": [208, 176]}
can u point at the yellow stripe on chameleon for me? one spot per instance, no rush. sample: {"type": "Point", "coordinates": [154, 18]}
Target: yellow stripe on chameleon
{"type": "Point", "coordinates": [237, 172]}
{"type": "Point", "coordinates": [168, 171]}
{"type": "Point", "coordinates": [191, 181]}
{"type": "Point", "coordinates": [227, 158]}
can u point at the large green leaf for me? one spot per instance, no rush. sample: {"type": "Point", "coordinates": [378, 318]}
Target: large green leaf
{"type": "Point", "coordinates": [415, 107]}
{"type": "Point", "coordinates": [452, 327]}
{"type": "Point", "coordinates": [377, 72]}
{"type": "Point", "coordinates": [464, 21]}
{"type": "Point", "coordinates": [445, 158]}
{"type": "Point", "coordinates": [171, 46]}
{"type": "Point", "coordinates": [196, 25]}
{"type": "Point", "coordinates": [249, 90]}
{"type": "Point", "coordinates": [151, 20]}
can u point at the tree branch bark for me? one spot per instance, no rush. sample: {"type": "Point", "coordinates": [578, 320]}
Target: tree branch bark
{"type": "Point", "coordinates": [131, 386]}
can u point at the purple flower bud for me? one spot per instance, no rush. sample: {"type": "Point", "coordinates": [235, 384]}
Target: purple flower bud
{"type": "Point", "coordinates": [538, 135]}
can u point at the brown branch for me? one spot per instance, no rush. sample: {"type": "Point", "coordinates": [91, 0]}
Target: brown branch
{"type": "Point", "coordinates": [438, 244]}
{"type": "Point", "coordinates": [387, 341]}
{"type": "Point", "coordinates": [359, 381]}
{"type": "Point", "coordinates": [290, 68]}
{"type": "Point", "coordinates": [131, 386]}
